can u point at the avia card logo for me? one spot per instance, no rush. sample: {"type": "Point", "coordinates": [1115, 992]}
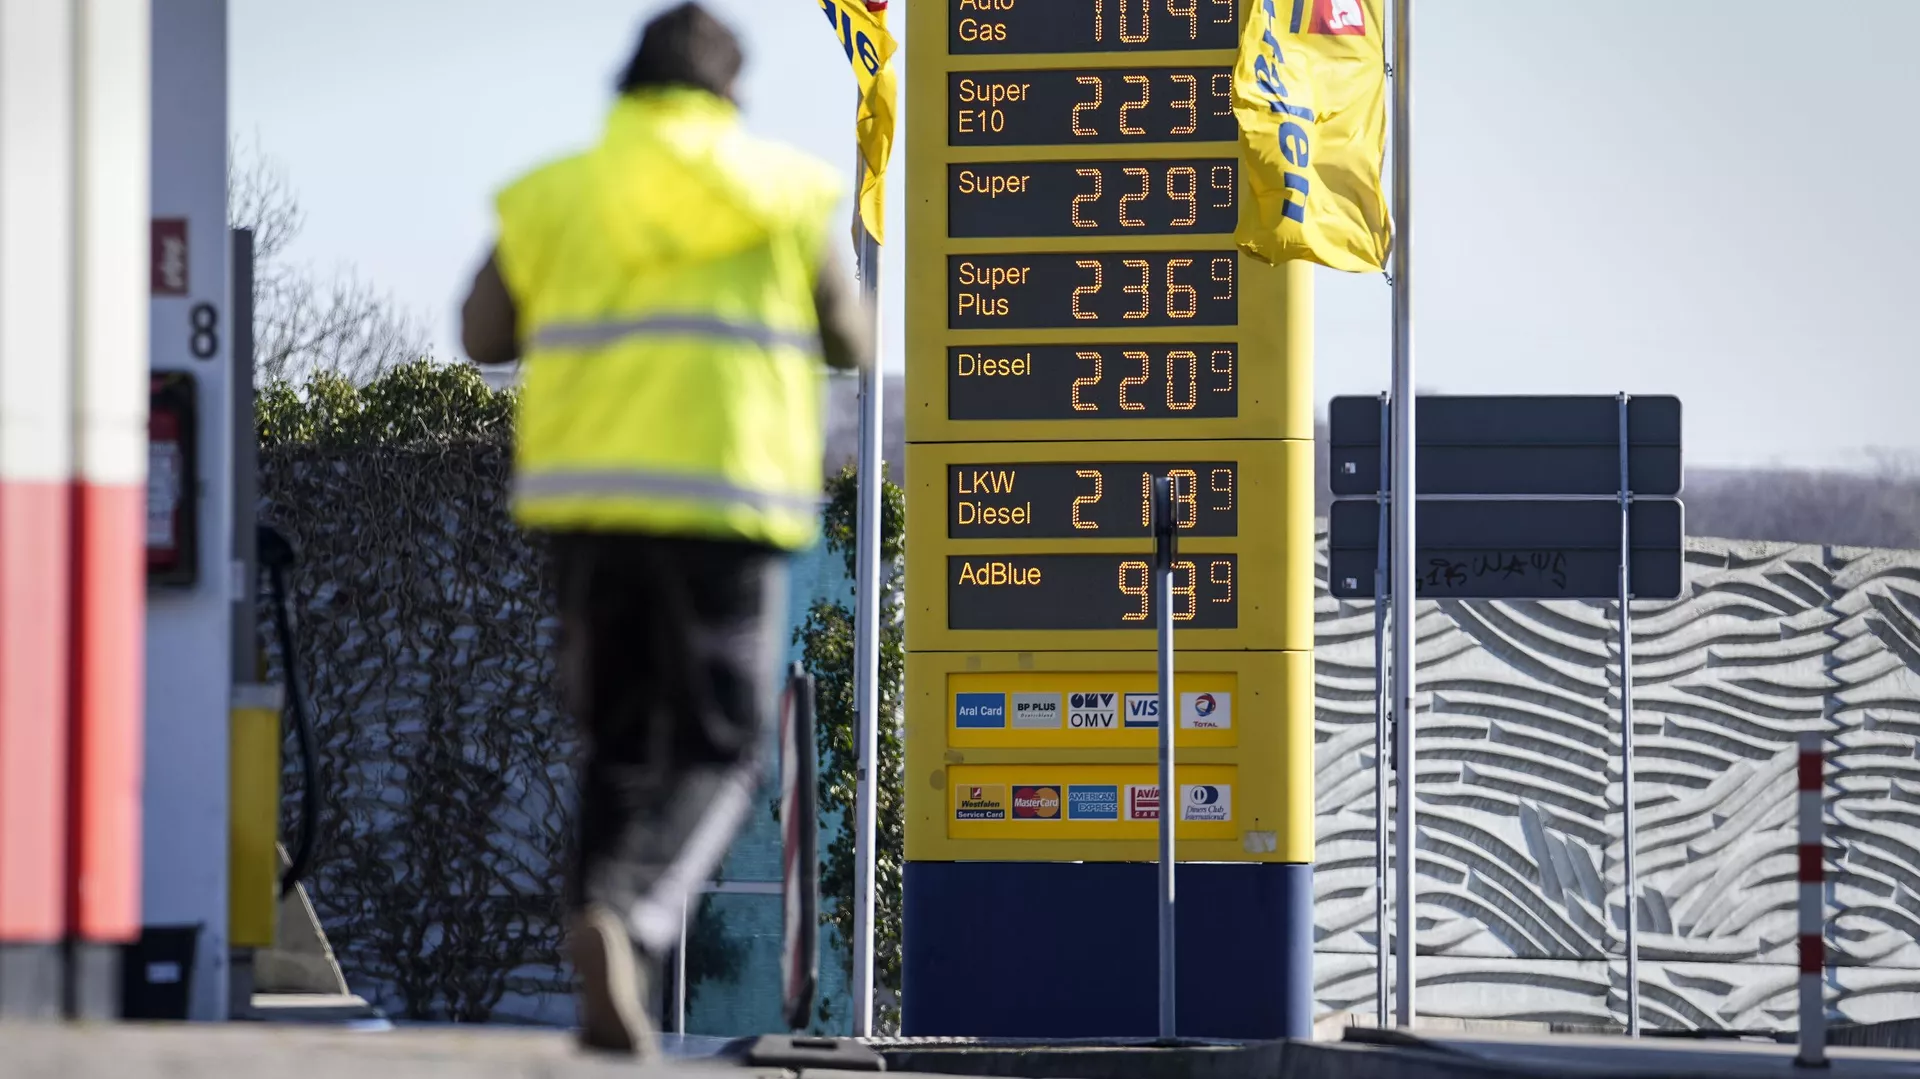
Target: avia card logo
{"type": "Point", "coordinates": [1206, 802]}
{"type": "Point", "coordinates": [1206, 711]}
{"type": "Point", "coordinates": [1093, 711]}
{"type": "Point", "coordinates": [980, 711]}
{"type": "Point", "coordinates": [1093, 802]}
{"type": "Point", "coordinates": [1143, 710]}
{"type": "Point", "coordinates": [981, 801]}
{"type": "Point", "coordinates": [1337, 17]}
{"type": "Point", "coordinates": [1036, 803]}
{"type": "Point", "coordinates": [1143, 801]}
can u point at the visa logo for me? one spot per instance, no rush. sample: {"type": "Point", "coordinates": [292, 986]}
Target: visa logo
{"type": "Point", "coordinates": [1143, 710]}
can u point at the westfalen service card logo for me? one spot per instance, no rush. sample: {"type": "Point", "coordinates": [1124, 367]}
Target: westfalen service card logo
{"type": "Point", "coordinates": [980, 801]}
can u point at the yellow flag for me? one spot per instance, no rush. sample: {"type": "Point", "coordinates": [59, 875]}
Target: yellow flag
{"type": "Point", "coordinates": [1310, 92]}
{"type": "Point", "coordinates": [869, 47]}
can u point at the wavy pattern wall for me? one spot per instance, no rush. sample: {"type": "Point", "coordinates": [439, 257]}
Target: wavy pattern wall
{"type": "Point", "coordinates": [1520, 909]}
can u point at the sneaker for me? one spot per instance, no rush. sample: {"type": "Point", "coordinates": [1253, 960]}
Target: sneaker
{"type": "Point", "coordinates": [611, 985]}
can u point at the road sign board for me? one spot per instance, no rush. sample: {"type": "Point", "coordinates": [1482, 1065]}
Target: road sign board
{"type": "Point", "coordinates": [1518, 445]}
{"type": "Point", "coordinates": [1534, 549]}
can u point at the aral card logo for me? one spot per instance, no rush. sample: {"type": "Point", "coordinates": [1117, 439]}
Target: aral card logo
{"type": "Point", "coordinates": [1143, 801]}
{"type": "Point", "coordinates": [980, 801]}
{"type": "Point", "coordinates": [1036, 711]}
{"type": "Point", "coordinates": [1143, 710]}
{"type": "Point", "coordinates": [1206, 801]}
{"type": "Point", "coordinates": [980, 711]}
{"type": "Point", "coordinates": [1206, 711]}
{"type": "Point", "coordinates": [1338, 17]}
{"type": "Point", "coordinates": [1093, 711]}
{"type": "Point", "coordinates": [1036, 803]}
{"type": "Point", "coordinates": [1093, 802]}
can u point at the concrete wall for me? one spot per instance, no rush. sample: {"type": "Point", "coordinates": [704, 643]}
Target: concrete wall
{"type": "Point", "coordinates": [1519, 834]}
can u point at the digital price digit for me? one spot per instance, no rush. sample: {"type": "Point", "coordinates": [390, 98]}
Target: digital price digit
{"type": "Point", "coordinates": [1136, 584]}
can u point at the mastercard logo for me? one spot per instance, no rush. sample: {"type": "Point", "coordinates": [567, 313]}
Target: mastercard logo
{"type": "Point", "coordinates": [1036, 803]}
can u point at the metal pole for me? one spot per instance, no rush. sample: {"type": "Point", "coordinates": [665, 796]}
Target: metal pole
{"type": "Point", "coordinates": [1626, 733]}
{"type": "Point", "coordinates": [1403, 501]}
{"type": "Point", "coordinates": [680, 973]}
{"type": "Point", "coordinates": [1382, 746]}
{"type": "Point", "coordinates": [1164, 525]}
{"type": "Point", "coordinates": [866, 629]}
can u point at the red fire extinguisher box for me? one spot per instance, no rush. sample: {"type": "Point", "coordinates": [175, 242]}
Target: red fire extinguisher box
{"type": "Point", "coordinates": [173, 556]}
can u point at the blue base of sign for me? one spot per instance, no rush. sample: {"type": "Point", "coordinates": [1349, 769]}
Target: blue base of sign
{"type": "Point", "coordinates": [1069, 950]}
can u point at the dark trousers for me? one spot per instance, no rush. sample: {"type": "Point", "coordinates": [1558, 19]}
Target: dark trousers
{"type": "Point", "coordinates": [669, 652]}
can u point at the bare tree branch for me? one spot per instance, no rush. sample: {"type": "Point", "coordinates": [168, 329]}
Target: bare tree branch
{"type": "Point", "coordinates": [303, 326]}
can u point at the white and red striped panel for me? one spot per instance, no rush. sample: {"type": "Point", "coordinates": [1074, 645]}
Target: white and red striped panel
{"type": "Point", "coordinates": [73, 357]}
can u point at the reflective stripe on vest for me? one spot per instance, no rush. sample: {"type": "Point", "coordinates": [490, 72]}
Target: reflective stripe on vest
{"type": "Point", "coordinates": [610, 331]}
{"type": "Point", "coordinates": [570, 483]}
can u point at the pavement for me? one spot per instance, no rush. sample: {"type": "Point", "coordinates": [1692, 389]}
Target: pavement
{"type": "Point", "coordinates": [261, 1050]}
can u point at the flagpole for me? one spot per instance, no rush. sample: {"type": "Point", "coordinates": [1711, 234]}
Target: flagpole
{"type": "Point", "coordinates": [1404, 597]}
{"type": "Point", "coordinates": [866, 686]}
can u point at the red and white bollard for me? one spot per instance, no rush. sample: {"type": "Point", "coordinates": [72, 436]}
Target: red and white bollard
{"type": "Point", "coordinates": [1813, 949]}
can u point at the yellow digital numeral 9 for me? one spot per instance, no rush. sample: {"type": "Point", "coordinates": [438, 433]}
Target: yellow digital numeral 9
{"type": "Point", "coordinates": [1136, 580]}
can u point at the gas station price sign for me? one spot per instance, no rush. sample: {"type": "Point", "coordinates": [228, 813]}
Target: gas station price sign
{"type": "Point", "coordinates": [1188, 380]}
{"type": "Point", "coordinates": [1086, 591]}
{"type": "Point", "coordinates": [1177, 196]}
{"type": "Point", "coordinates": [983, 27]}
{"type": "Point", "coordinates": [1057, 290]}
{"type": "Point", "coordinates": [1083, 106]}
{"type": "Point", "coordinates": [1086, 499]}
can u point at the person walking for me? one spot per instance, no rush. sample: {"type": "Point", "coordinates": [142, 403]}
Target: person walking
{"type": "Point", "coordinates": [670, 294]}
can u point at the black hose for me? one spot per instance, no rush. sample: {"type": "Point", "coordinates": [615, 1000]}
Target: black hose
{"type": "Point", "coordinates": [276, 554]}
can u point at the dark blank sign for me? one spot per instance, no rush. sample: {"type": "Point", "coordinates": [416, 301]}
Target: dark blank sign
{"type": "Point", "coordinates": [1516, 550]}
{"type": "Point", "coordinates": [1512, 445]}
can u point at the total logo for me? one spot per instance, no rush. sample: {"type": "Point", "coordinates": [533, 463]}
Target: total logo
{"type": "Point", "coordinates": [1206, 711]}
{"type": "Point", "coordinates": [1206, 802]}
{"type": "Point", "coordinates": [1093, 711]}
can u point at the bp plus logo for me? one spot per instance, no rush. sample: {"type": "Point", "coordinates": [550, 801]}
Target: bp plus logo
{"type": "Point", "coordinates": [1036, 803]}
{"type": "Point", "coordinates": [1337, 17]}
{"type": "Point", "coordinates": [1036, 711]}
{"type": "Point", "coordinates": [1206, 711]}
{"type": "Point", "coordinates": [980, 711]}
{"type": "Point", "coordinates": [1093, 711]}
{"type": "Point", "coordinates": [1143, 801]}
{"type": "Point", "coordinates": [1093, 802]}
{"type": "Point", "coordinates": [1143, 710]}
{"type": "Point", "coordinates": [1206, 801]}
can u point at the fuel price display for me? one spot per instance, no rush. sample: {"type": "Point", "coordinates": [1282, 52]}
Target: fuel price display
{"type": "Point", "coordinates": [1082, 106]}
{"type": "Point", "coordinates": [1087, 500]}
{"type": "Point", "coordinates": [1085, 591]}
{"type": "Point", "coordinates": [1029, 26]}
{"type": "Point", "coordinates": [1061, 291]}
{"type": "Point", "coordinates": [1093, 198]}
{"type": "Point", "coordinates": [1093, 382]}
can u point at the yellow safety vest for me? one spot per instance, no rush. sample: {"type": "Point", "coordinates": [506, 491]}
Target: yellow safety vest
{"type": "Point", "coordinates": [664, 284]}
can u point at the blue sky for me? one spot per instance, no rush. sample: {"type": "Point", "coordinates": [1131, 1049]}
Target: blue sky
{"type": "Point", "coordinates": [1706, 199]}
